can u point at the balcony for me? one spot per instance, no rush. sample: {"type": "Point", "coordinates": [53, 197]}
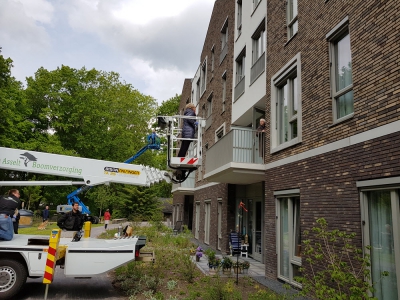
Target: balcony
{"type": "Point", "coordinates": [223, 53]}
{"type": "Point", "coordinates": [237, 158]}
{"type": "Point", "coordinates": [186, 187]}
{"type": "Point", "coordinates": [239, 88]}
{"type": "Point", "coordinates": [258, 68]}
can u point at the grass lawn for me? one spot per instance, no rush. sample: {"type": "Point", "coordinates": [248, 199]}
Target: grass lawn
{"type": "Point", "coordinates": [51, 225]}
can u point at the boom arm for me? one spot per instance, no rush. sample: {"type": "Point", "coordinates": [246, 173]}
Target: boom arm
{"type": "Point", "coordinates": [92, 171]}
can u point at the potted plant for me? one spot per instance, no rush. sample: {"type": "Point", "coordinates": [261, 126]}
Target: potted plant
{"type": "Point", "coordinates": [226, 264]}
{"type": "Point", "coordinates": [211, 258]}
{"type": "Point", "coordinates": [245, 267]}
{"type": "Point", "coordinates": [237, 267]}
{"type": "Point", "coordinates": [199, 253]}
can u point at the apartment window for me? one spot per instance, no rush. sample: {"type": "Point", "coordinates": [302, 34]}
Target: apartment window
{"type": "Point", "coordinates": [198, 90]}
{"type": "Point", "coordinates": [286, 106]}
{"type": "Point", "coordinates": [223, 91]}
{"type": "Point", "coordinates": [259, 42]}
{"type": "Point", "coordinates": [207, 219]}
{"type": "Point", "coordinates": [220, 132]}
{"type": "Point", "coordinates": [203, 76]}
{"type": "Point", "coordinates": [288, 236]}
{"type": "Point", "coordinates": [240, 72]}
{"type": "Point", "coordinates": [224, 41]}
{"type": "Point", "coordinates": [240, 66]}
{"type": "Point", "coordinates": [341, 72]}
{"type": "Point", "coordinates": [209, 106]}
{"type": "Point", "coordinates": [381, 219]}
{"type": "Point", "coordinates": [291, 16]}
{"type": "Point", "coordinates": [239, 17]}
{"type": "Point", "coordinates": [212, 59]}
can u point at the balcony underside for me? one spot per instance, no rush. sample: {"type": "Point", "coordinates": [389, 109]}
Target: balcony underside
{"type": "Point", "coordinates": [237, 173]}
{"type": "Point", "coordinates": [178, 190]}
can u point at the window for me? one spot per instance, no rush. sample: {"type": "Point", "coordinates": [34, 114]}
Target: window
{"type": "Point", "coordinates": [209, 106]}
{"type": "Point", "coordinates": [192, 97]}
{"type": "Point", "coordinates": [259, 42]}
{"type": "Point", "coordinates": [240, 72]}
{"type": "Point", "coordinates": [223, 91]}
{"type": "Point", "coordinates": [220, 132]}
{"type": "Point", "coordinates": [239, 17]}
{"type": "Point", "coordinates": [197, 91]}
{"type": "Point", "coordinates": [288, 236]}
{"type": "Point", "coordinates": [207, 219]}
{"type": "Point", "coordinates": [381, 216]}
{"type": "Point", "coordinates": [291, 17]}
{"type": "Point", "coordinates": [255, 3]}
{"type": "Point", "coordinates": [286, 106]}
{"type": "Point", "coordinates": [212, 59]}
{"type": "Point", "coordinates": [224, 41]}
{"type": "Point", "coordinates": [203, 111]}
{"type": "Point", "coordinates": [341, 72]}
{"type": "Point", "coordinates": [203, 75]}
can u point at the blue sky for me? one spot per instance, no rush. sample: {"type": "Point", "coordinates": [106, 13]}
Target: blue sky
{"type": "Point", "coordinates": [154, 45]}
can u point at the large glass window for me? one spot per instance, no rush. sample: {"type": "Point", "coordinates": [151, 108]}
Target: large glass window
{"type": "Point", "coordinates": [286, 113]}
{"type": "Point", "coordinates": [381, 212]}
{"type": "Point", "coordinates": [287, 109]}
{"type": "Point", "coordinates": [341, 71]}
{"type": "Point", "coordinates": [289, 238]}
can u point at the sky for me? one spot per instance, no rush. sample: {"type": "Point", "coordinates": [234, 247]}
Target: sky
{"type": "Point", "coordinates": [153, 44]}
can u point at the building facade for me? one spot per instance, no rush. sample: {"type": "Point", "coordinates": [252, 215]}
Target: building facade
{"type": "Point", "coordinates": [326, 77]}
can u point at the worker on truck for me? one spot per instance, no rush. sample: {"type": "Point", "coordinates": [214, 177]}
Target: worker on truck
{"type": "Point", "coordinates": [8, 205]}
{"type": "Point", "coordinates": [72, 220]}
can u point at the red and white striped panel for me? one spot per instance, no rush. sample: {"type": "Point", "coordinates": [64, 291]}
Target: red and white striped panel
{"type": "Point", "coordinates": [185, 161]}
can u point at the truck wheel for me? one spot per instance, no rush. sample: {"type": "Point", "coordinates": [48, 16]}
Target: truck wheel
{"type": "Point", "coordinates": [95, 220]}
{"type": "Point", "coordinates": [13, 276]}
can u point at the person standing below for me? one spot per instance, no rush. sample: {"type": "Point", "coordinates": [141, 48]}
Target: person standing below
{"type": "Point", "coordinates": [72, 220]}
{"type": "Point", "coordinates": [45, 213]}
{"type": "Point", "coordinates": [261, 134]}
{"type": "Point", "coordinates": [107, 217]}
{"type": "Point", "coordinates": [8, 205]}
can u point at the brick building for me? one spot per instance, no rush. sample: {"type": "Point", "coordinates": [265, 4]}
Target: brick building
{"type": "Point", "coordinates": [333, 139]}
{"type": "Point", "coordinates": [326, 77]}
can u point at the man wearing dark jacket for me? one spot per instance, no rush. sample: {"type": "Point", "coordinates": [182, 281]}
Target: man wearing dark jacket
{"type": "Point", "coordinates": [188, 129]}
{"type": "Point", "coordinates": [72, 220]}
{"type": "Point", "coordinates": [8, 204]}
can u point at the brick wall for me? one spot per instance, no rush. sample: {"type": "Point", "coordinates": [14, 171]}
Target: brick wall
{"type": "Point", "coordinates": [374, 37]}
{"type": "Point", "coordinates": [328, 189]}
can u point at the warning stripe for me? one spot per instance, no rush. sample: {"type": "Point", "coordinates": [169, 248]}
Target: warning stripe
{"type": "Point", "coordinates": [189, 161]}
{"type": "Point", "coordinates": [49, 270]}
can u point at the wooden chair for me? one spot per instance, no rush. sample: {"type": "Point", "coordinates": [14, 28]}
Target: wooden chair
{"type": "Point", "coordinates": [178, 227]}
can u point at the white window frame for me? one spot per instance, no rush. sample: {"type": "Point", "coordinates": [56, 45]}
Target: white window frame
{"type": "Point", "coordinates": [203, 77]}
{"type": "Point", "coordinates": [292, 22]}
{"type": "Point", "coordinates": [294, 65]}
{"type": "Point", "coordinates": [389, 184]}
{"type": "Point", "coordinates": [218, 131]}
{"type": "Point", "coordinates": [333, 37]}
{"type": "Point", "coordinates": [207, 221]}
{"type": "Point", "coordinates": [294, 261]}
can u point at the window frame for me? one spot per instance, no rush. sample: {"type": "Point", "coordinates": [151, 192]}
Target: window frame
{"type": "Point", "coordinates": [292, 67]}
{"type": "Point", "coordinates": [240, 62]}
{"type": "Point", "coordinates": [212, 58]}
{"type": "Point", "coordinates": [296, 261]}
{"type": "Point", "coordinates": [333, 37]}
{"type": "Point", "coordinates": [239, 19]}
{"type": "Point", "coordinates": [223, 91]}
{"type": "Point", "coordinates": [224, 34]}
{"type": "Point", "coordinates": [258, 38]}
{"type": "Point", "coordinates": [393, 186]}
{"type": "Point", "coordinates": [203, 77]}
{"type": "Point", "coordinates": [291, 21]}
{"type": "Point", "coordinates": [222, 129]}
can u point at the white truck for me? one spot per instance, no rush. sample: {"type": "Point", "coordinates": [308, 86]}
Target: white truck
{"type": "Point", "coordinates": [26, 255]}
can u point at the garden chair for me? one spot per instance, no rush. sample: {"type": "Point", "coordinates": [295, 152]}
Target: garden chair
{"type": "Point", "coordinates": [235, 243]}
{"type": "Point", "coordinates": [178, 227]}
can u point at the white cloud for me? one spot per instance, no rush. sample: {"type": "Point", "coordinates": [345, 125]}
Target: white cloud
{"type": "Point", "coordinates": [161, 84]}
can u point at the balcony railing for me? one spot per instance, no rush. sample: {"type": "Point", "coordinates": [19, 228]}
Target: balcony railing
{"type": "Point", "coordinates": [186, 187]}
{"type": "Point", "coordinates": [257, 68]}
{"type": "Point", "coordinates": [239, 88]}
{"type": "Point", "coordinates": [223, 53]}
{"type": "Point", "coordinates": [239, 145]}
